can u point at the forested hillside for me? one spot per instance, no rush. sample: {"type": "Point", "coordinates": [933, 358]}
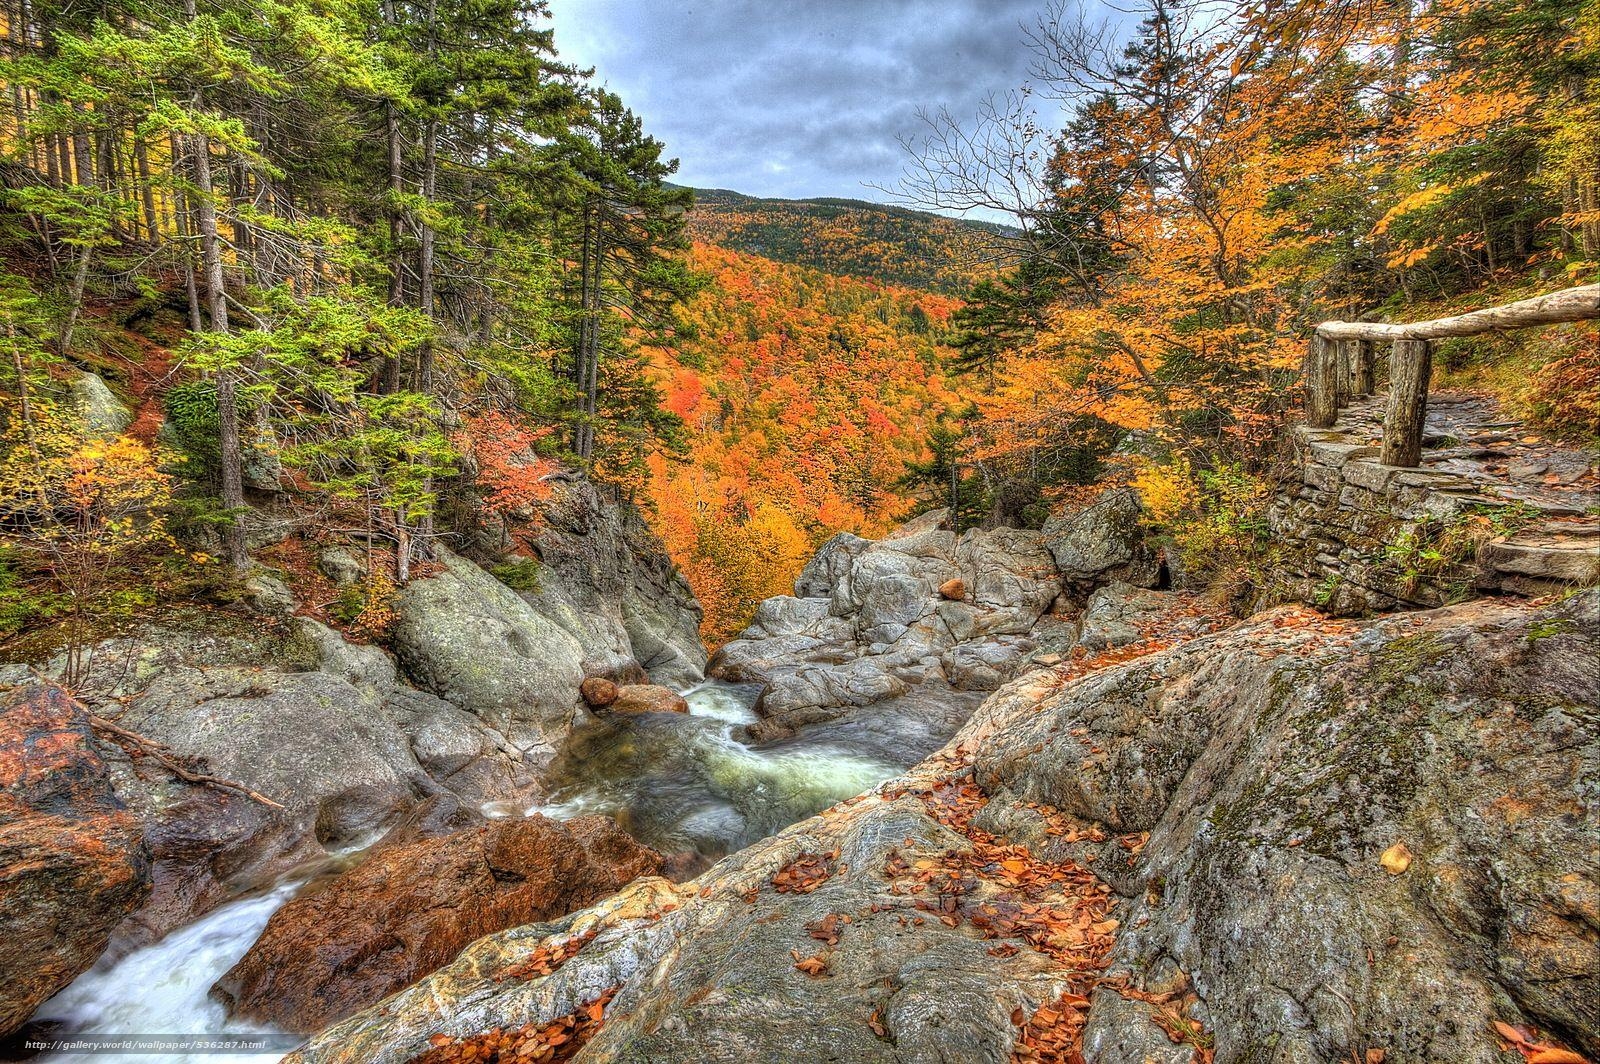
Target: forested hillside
{"type": "Point", "coordinates": [380, 268]}
{"type": "Point", "coordinates": [399, 265]}
{"type": "Point", "coordinates": [855, 238]}
{"type": "Point", "coordinates": [805, 395]}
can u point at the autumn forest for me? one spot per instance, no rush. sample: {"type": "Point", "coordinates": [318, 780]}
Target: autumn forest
{"type": "Point", "coordinates": [409, 263]}
{"type": "Point", "coordinates": [1122, 588]}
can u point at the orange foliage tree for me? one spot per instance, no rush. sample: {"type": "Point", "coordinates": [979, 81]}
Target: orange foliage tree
{"type": "Point", "coordinates": [804, 395]}
{"type": "Point", "coordinates": [1228, 175]}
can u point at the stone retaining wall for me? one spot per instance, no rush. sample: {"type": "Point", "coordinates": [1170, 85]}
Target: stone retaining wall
{"type": "Point", "coordinates": [1360, 537]}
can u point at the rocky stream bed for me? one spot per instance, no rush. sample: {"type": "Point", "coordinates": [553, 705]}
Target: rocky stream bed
{"type": "Point", "coordinates": [998, 796]}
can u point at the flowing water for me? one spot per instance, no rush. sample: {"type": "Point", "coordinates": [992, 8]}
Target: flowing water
{"type": "Point", "coordinates": [682, 784]}
{"type": "Point", "coordinates": [678, 782]}
{"type": "Point", "coordinates": [160, 991]}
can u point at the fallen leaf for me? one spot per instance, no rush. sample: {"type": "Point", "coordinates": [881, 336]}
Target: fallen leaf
{"type": "Point", "coordinates": [1552, 1055]}
{"type": "Point", "coordinates": [1510, 1033]}
{"type": "Point", "coordinates": [1396, 859]}
{"type": "Point", "coordinates": [813, 966]}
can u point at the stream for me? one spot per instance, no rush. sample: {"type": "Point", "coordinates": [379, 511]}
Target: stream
{"type": "Point", "coordinates": [683, 785]}
{"type": "Point", "coordinates": [678, 782]}
{"type": "Point", "coordinates": [161, 991]}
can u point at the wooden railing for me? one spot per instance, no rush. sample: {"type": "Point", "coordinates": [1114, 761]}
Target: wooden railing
{"type": "Point", "coordinates": [1342, 361]}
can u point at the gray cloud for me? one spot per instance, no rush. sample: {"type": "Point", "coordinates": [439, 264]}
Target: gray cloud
{"type": "Point", "coordinates": [795, 98]}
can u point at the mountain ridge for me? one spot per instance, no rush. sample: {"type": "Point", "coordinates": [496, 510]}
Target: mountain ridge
{"type": "Point", "coordinates": [880, 242]}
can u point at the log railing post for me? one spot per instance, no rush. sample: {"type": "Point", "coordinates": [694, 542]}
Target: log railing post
{"type": "Point", "coordinates": [1358, 359]}
{"type": "Point", "coordinates": [1322, 384]}
{"type": "Point", "coordinates": [1342, 373]}
{"type": "Point", "coordinates": [1410, 367]}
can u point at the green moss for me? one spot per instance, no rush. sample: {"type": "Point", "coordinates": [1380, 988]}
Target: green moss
{"type": "Point", "coordinates": [1545, 629]}
{"type": "Point", "coordinates": [1344, 763]}
{"type": "Point", "coordinates": [1401, 660]}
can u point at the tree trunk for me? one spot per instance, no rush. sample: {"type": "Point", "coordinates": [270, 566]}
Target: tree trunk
{"type": "Point", "coordinates": [80, 280]}
{"type": "Point", "coordinates": [25, 408]}
{"type": "Point", "coordinates": [1410, 367]}
{"type": "Point", "coordinates": [243, 240]}
{"type": "Point", "coordinates": [390, 382]}
{"type": "Point", "coordinates": [430, 183]}
{"type": "Point", "coordinates": [430, 175]}
{"type": "Point", "coordinates": [229, 442]}
{"type": "Point", "coordinates": [52, 160]}
{"type": "Point", "coordinates": [591, 393]}
{"type": "Point", "coordinates": [20, 111]}
{"type": "Point", "coordinates": [82, 157]}
{"type": "Point", "coordinates": [182, 213]}
{"type": "Point", "coordinates": [1400, 62]}
{"type": "Point", "coordinates": [147, 192]}
{"type": "Point", "coordinates": [586, 327]}
{"type": "Point", "coordinates": [486, 312]}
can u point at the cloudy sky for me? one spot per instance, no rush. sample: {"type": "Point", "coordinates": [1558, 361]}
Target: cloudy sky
{"type": "Point", "coordinates": [795, 98]}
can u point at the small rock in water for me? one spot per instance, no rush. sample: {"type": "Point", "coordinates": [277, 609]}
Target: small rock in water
{"type": "Point", "coordinates": [647, 698]}
{"type": "Point", "coordinates": [598, 691]}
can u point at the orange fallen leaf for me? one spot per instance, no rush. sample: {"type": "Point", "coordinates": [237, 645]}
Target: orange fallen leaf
{"type": "Point", "coordinates": [812, 966]}
{"type": "Point", "coordinates": [1510, 1033]}
{"type": "Point", "coordinates": [1552, 1055]}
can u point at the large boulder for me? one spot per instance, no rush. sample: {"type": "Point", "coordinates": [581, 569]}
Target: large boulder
{"type": "Point", "coordinates": [1282, 766]}
{"type": "Point", "coordinates": [1241, 799]}
{"type": "Point", "coordinates": [986, 664]}
{"type": "Point", "coordinates": [874, 623]}
{"type": "Point", "coordinates": [857, 683]}
{"type": "Point", "coordinates": [102, 412]}
{"type": "Point", "coordinates": [1010, 574]}
{"type": "Point", "coordinates": [1104, 542]}
{"type": "Point", "coordinates": [469, 639]}
{"type": "Point", "coordinates": [1119, 614]}
{"type": "Point", "coordinates": [606, 579]}
{"type": "Point", "coordinates": [319, 726]}
{"type": "Point", "coordinates": [829, 566]}
{"type": "Point", "coordinates": [410, 908]}
{"type": "Point", "coordinates": [72, 861]}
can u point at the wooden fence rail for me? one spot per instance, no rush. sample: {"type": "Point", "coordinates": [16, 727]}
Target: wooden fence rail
{"type": "Point", "coordinates": [1343, 358]}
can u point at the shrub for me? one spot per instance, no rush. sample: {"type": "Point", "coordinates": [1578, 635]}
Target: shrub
{"type": "Point", "coordinates": [1216, 519]}
{"type": "Point", "coordinates": [1565, 393]}
{"type": "Point", "coordinates": [519, 576]}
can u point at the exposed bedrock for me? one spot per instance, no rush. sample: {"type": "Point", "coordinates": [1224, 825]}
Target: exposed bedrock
{"type": "Point", "coordinates": [414, 904]}
{"type": "Point", "coordinates": [1235, 793]}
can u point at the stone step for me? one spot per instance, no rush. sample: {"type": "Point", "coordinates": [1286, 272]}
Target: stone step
{"type": "Point", "coordinates": [1569, 557]}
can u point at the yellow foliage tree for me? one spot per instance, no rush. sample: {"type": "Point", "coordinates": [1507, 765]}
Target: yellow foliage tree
{"type": "Point", "coordinates": [83, 504]}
